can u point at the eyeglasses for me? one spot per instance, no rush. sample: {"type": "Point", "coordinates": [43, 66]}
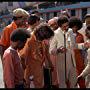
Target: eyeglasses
{"type": "Point", "coordinates": [21, 18]}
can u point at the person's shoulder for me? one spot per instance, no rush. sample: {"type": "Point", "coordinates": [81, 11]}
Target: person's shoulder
{"type": "Point", "coordinates": [30, 40]}
{"type": "Point", "coordinates": [57, 30]}
{"type": "Point", "coordinates": [7, 27]}
{"type": "Point", "coordinates": [6, 53]}
{"type": "Point", "coordinates": [80, 34]}
{"type": "Point", "coordinates": [83, 27]}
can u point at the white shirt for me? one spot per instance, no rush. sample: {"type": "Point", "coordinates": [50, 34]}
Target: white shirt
{"type": "Point", "coordinates": [58, 40]}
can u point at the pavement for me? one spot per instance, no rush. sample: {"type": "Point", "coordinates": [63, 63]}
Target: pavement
{"type": "Point", "coordinates": [1, 75]}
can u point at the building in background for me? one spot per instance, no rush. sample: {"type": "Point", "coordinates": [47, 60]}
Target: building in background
{"type": "Point", "coordinates": [51, 9]}
{"type": "Point", "coordinates": [6, 9]}
{"type": "Point", "coordinates": [47, 9]}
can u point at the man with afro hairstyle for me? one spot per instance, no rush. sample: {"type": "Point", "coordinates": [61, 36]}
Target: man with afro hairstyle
{"type": "Point", "coordinates": [12, 68]}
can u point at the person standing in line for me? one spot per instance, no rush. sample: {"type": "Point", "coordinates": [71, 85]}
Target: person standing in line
{"type": "Point", "coordinates": [37, 13]}
{"type": "Point", "coordinates": [82, 31]}
{"type": "Point", "coordinates": [86, 70]}
{"type": "Point", "coordinates": [12, 68]}
{"type": "Point", "coordinates": [19, 20]}
{"type": "Point", "coordinates": [33, 21]}
{"type": "Point", "coordinates": [76, 24]}
{"type": "Point", "coordinates": [35, 54]}
{"type": "Point", "coordinates": [54, 25]}
{"type": "Point", "coordinates": [59, 46]}
{"type": "Point", "coordinates": [87, 22]}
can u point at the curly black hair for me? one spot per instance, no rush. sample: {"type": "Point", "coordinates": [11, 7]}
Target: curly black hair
{"type": "Point", "coordinates": [62, 19]}
{"type": "Point", "coordinates": [33, 19]}
{"type": "Point", "coordinates": [43, 31]}
{"type": "Point", "coordinates": [75, 21]}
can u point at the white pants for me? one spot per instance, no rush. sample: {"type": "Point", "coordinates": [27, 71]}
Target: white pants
{"type": "Point", "coordinates": [71, 70]}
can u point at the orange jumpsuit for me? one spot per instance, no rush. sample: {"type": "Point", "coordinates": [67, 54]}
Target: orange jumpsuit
{"type": "Point", "coordinates": [34, 56]}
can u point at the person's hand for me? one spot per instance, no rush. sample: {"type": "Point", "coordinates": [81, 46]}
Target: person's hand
{"type": "Point", "coordinates": [61, 49]}
{"type": "Point", "coordinates": [87, 44]}
{"type": "Point", "coordinates": [78, 79]}
{"type": "Point", "coordinates": [64, 50]}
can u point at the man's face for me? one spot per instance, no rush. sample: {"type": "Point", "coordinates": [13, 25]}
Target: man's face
{"type": "Point", "coordinates": [75, 29]}
{"type": "Point", "coordinates": [87, 20]}
{"type": "Point", "coordinates": [22, 21]}
{"type": "Point", "coordinates": [65, 26]}
{"type": "Point", "coordinates": [53, 24]}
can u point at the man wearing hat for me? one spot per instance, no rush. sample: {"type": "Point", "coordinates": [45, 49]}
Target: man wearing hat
{"type": "Point", "coordinates": [19, 21]}
{"type": "Point", "coordinates": [87, 22]}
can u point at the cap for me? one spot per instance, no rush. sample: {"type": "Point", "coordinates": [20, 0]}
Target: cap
{"type": "Point", "coordinates": [20, 12]}
{"type": "Point", "coordinates": [87, 15]}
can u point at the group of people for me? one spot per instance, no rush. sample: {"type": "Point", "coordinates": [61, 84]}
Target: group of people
{"type": "Point", "coordinates": [29, 45]}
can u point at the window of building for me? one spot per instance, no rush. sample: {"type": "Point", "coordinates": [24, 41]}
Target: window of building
{"type": "Point", "coordinates": [73, 12]}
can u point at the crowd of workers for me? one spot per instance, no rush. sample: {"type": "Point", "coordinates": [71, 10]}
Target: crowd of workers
{"type": "Point", "coordinates": [53, 53]}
